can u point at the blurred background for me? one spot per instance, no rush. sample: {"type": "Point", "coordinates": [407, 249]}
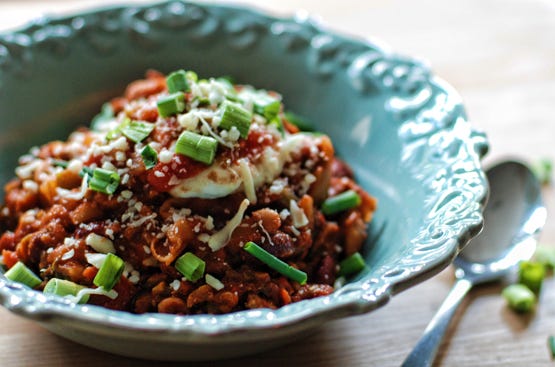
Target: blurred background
{"type": "Point", "coordinates": [500, 56]}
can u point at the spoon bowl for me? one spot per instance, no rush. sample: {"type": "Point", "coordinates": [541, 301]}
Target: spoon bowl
{"type": "Point", "coordinates": [514, 215]}
{"type": "Point", "coordinates": [513, 218]}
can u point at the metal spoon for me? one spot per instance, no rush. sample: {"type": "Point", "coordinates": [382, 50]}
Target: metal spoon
{"type": "Point", "coordinates": [513, 217]}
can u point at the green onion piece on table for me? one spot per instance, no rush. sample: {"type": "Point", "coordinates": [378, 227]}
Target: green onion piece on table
{"type": "Point", "coordinates": [171, 104]}
{"type": "Point", "coordinates": [110, 272]}
{"type": "Point", "coordinates": [150, 157]}
{"type": "Point", "coordinates": [198, 147]}
{"type": "Point", "coordinates": [275, 263]}
{"type": "Point", "coordinates": [177, 82]}
{"type": "Point", "coordinates": [191, 266]}
{"type": "Point", "coordinates": [102, 180]}
{"type": "Point", "coordinates": [543, 169]}
{"type": "Point", "coordinates": [551, 345]}
{"type": "Point", "coordinates": [62, 288]}
{"type": "Point", "coordinates": [235, 115]}
{"type": "Point", "coordinates": [531, 274]}
{"type": "Point", "coordinates": [519, 297]}
{"type": "Point", "coordinates": [22, 274]}
{"type": "Point", "coordinates": [346, 200]}
{"type": "Point", "coordinates": [546, 256]}
{"type": "Point", "coordinates": [351, 265]}
{"type": "Point", "coordinates": [137, 131]}
{"type": "Point", "coordinates": [267, 107]}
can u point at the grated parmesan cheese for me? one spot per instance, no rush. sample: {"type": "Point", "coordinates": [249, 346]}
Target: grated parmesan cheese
{"type": "Point", "coordinates": [68, 255]}
{"type": "Point", "coordinates": [219, 239]}
{"type": "Point", "coordinates": [100, 244]}
{"type": "Point", "coordinates": [248, 182]}
{"type": "Point", "coordinates": [297, 214]}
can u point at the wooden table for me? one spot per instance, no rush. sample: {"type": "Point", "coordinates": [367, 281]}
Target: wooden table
{"type": "Point", "coordinates": [500, 55]}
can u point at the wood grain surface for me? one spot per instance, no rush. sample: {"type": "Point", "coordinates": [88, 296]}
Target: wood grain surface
{"type": "Point", "coordinates": [500, 55]}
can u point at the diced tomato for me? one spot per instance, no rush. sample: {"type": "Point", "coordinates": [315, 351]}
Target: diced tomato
{"type": "Point", "coordinates": [180, 167]}
{"type": "Point", "coordinates": [9, 258]}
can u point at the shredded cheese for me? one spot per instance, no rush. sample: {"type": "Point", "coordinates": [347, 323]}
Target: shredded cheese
{"type": "Point", "coordinates": [100, 244]}
{"type": "Point", "coordinates": [248, 182]}
{"type": "Point", "coordinates": [219, 239]}
{"type": "Point", "coordinates": [297, 214]}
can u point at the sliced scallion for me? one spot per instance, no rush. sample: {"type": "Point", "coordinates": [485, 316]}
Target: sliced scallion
{"type": "Point", "coordinates": [543, 169]}
{"type": "Point", "coordinates": [137, 131]}
{"type": "Point", "coordinates": [531, 274]}
{"type": "Point", "coordinates": [275, 263]}
{"type": "Point", "coordinates": [171, 104]}
{"type": "Point", "coordinates": [346, 200]}
{"type": "Point", "coordinates": [214, 282]}
{"type": "Point", "coordinates": [268, 109]}
{"type": "Point", "coordinates": [150, 157]}
{"type": "Point", "coordinates": [546, 256]}
{"type": "Point", "coordinates": [106, 113]}
{"type": "Point", "coordinates": [101, 180]}
{"type": "Point", "coordinates": [110, 272]}
{"type": "Point", "coordinates": [551, 345]}
{"type": "Point", "coordinates": [191, 266]}
{"type": "Point", "coordinates": [177, 82]}
{"type": "Point", "coordinates": [198, 147]}
{"type": "Point", "coordinates": [62, 288]}
{"type": "Point", "coordinates": [60, 163]}
{"type": "Point", "coordinates": [22, 274]}
{"type": "Point", "coordinates": [235, 115]}
{"type": "Point", "coordinates": [519, 297]}
{"type": "Point", "coordinates": [351, 265]}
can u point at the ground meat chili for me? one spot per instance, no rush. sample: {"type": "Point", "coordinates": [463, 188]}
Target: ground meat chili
{"type": "Point", "coordinates": [185, 196]}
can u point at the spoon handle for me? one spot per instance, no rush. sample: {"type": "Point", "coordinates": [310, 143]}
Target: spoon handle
{"type": "Point", "coordinates": [424, 353]}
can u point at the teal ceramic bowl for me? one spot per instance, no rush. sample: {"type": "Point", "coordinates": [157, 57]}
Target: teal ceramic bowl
{"type": "Point", "coordinates": [403, 131]}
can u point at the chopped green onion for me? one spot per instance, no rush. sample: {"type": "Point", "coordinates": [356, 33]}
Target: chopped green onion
{"type": "Point", "coordinates": [214, 282]}
{"type": "Point", "coordinates": [22, 274]}
{"type": "Point", "coordinates": [202, 101]}
{"type": "Point", "coordinates": [177, 82]}
{"type": "Point", "coordinates": [101, 180]}
{"type": "Point", "coordinates": [546, 256]}
{"type": "Point", "coordinates": [150, 157]}
{"type": "Point", "coordinates": [110, 272]}
{"type": "Point", "coordinates": [117, 130]}
{"type": "Point", "coordinates": [190, 266]}
{"type": "Point", "coordinates": [228, 79]}
{"type": "Point", "coordinates": [106, 113]}
{"type": "Point", "coordinates": [276, 121]}
{"type": "Point", "coordinates": [351, 265]}
{"type": "Point", "coordinates": [346, 200]}
{"type": "Point", "coordinates": [299, 121]}
{"type": "Point", "coordinates": [236, 115]}
{"type": "Point", "coordinates": [519, 297]}
{"type": "Point", "coordinates": [268, 109]}
{"type": "Point", "coordinates": [137, 131]}
{"type": "Point", "coordinates": [62, 288]}
{"type": "Point", "coordinates": [543, 169]}
{"type": "Point", "coordinates": [192, 76]}
{"type": "Point", "coordinates": [60, 163]}
{"type": "Point", "coordinates": [198, 147]}
{"type": "Point", "coordinates": [275, 263]}
{"type": "Point", "coordinates": [531, 274]}
{"type": "Point", "coordinates": [551, 345]}
{"type": "Point", "coordinates": [171, 104]}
